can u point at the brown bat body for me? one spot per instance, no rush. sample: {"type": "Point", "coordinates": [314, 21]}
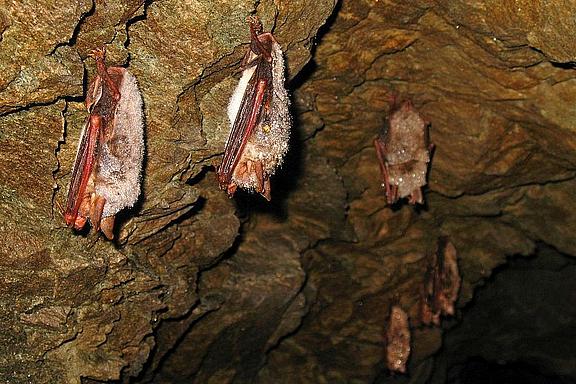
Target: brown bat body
{"type": "Point", "coordinates": [397, 340]}
{"type": "Point", "coordinates": [108, 165]}
{"type": "Point", "coordinates": [259, 116]}
{"type": "Point", "coordinates": [441, 285]}
{"type": "Point", "coordinates": [403, 151]}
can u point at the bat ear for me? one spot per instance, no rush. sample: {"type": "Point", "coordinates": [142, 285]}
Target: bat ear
{"type": "Point", "coordinates": [94, 93]}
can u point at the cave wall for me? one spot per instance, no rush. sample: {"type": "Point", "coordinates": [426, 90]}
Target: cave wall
{"type": "Point", "coordinates": [200, 287]}
{"type": "Point", "coordinates": [521, 323]}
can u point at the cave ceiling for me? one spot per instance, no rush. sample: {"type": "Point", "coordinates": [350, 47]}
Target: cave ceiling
{"type": "Point", "coordinates": [199, 287]}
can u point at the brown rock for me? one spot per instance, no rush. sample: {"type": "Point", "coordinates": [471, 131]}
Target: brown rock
{"type": "Point", "coordinates": [204, 288]}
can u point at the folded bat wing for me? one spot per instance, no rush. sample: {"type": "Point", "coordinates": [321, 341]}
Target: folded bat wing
{"type": "Point", "coordinates": [83, 165]}
{"type": "Point", "coordinates": [248, 116]}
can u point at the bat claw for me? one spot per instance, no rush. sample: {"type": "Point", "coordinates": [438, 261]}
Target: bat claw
{"type": "Point", "coordinates": [255, 24]}
{"type": "Point", "coordinates": [98, 54]}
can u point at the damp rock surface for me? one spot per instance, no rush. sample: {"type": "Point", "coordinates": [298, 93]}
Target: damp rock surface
{"type": "Point", "coordinates": [202, 288]}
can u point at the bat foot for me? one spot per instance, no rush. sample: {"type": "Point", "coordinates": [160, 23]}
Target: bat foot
{"type": "Point", "coordinates": [256, 35]}
{"type": "Point", "coordinates": [98, 54]}
{"type": "Point", "coordinates": [255, 24]}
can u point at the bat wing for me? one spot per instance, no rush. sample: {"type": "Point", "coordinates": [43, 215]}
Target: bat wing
{"type": "Point", "coordinates": [246, 119]}
{"type": "Point", "coordinates": [83, 165]}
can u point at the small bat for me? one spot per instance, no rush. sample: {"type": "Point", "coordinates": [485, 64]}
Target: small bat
{"type": "Point", "coordinates": [441, 284]}
{"type": "Point", "coordinates": [108, 165]}
{"type": "Point", "coordinates": [259, 117]}
{"type": "Point", "coordinates": [403, 151]}
{"type": "Point", "coordinates": [397, 340]}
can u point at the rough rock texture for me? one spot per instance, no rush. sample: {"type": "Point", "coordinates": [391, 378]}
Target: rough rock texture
{"type": "Point", "coordinates": [523, 316]}
{"type": "Point", "coordinates": [76, 306]}
{"type": "Point", "coordinates": [200, 288]}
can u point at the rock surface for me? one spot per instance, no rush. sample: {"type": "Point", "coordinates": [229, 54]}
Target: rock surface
{"type": "Point", "coordinates": [518, 319]}
{"type": "Point", "coordinates": [202, 288]}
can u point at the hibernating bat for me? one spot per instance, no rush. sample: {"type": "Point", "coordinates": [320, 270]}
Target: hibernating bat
{"type": "Point", "coordinates": [403, 151]}
{"type": "Point", "coordinates": [108, 165]}
{"type": "Point", "coordinates": [259, 116]}
{"type": "Point", "coordinates": [397, 340]}
{"type": "Point", "coordinates": [441, 284]}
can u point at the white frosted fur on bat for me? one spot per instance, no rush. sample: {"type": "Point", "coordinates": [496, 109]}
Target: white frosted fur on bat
{"type": "Point", "coordinates": [409, 125]}
{"type": "Point", "coordinates": [268, 142]}
{"type": "Point", "coordinates": [409, 177]}
{"type": "Point", "coordinates": [398, 340]}
{"type": "Point", "coordinates": [120, 157]}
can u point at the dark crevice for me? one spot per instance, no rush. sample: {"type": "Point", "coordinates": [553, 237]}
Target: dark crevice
{"type": "Point", "coordinates": [72, 41]}
{"type": "Point", "coordinates": [470, 353]}
{"type": "Point", "coordinates": [570, 66]}
{"type": "Point", "coordinates": [130, 21]}
{"type": "Point", "coordinates": [200, 176]}
{"type": "Point", "coordinates": [506, 188]}
{"type": "Point", "coordinates": [301, 292]}
{"type": "Point", "coordinates": [56, 168]}
{"type": "Point", "coordinates": [154, 364]}
{"type": "Point", "coordinates": [477, 370]}
{"type": "Point", "coordinates": [187, 213]}
{"type": "Point", "coordinates": [30, 106]}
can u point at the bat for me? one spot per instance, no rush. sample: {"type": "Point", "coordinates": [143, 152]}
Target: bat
{"type": "Point", "coordinates": [397, 340]}
{"type": "Point", "coordinates": [108, 166]}
{"type": "Point", "coordinates": [403, 151]}
{"type": "Point", "coordinates": [441, 284]}
{"type": "Point", "coordinates": [259, 118]}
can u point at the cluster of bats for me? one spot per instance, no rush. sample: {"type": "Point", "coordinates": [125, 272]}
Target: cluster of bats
{"type": "Point", "coordinates": [108, 166]}
{"type": "Point", "coordinates": [438, 294]}
{"type": "Point", "coordinates": [107, 171]}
